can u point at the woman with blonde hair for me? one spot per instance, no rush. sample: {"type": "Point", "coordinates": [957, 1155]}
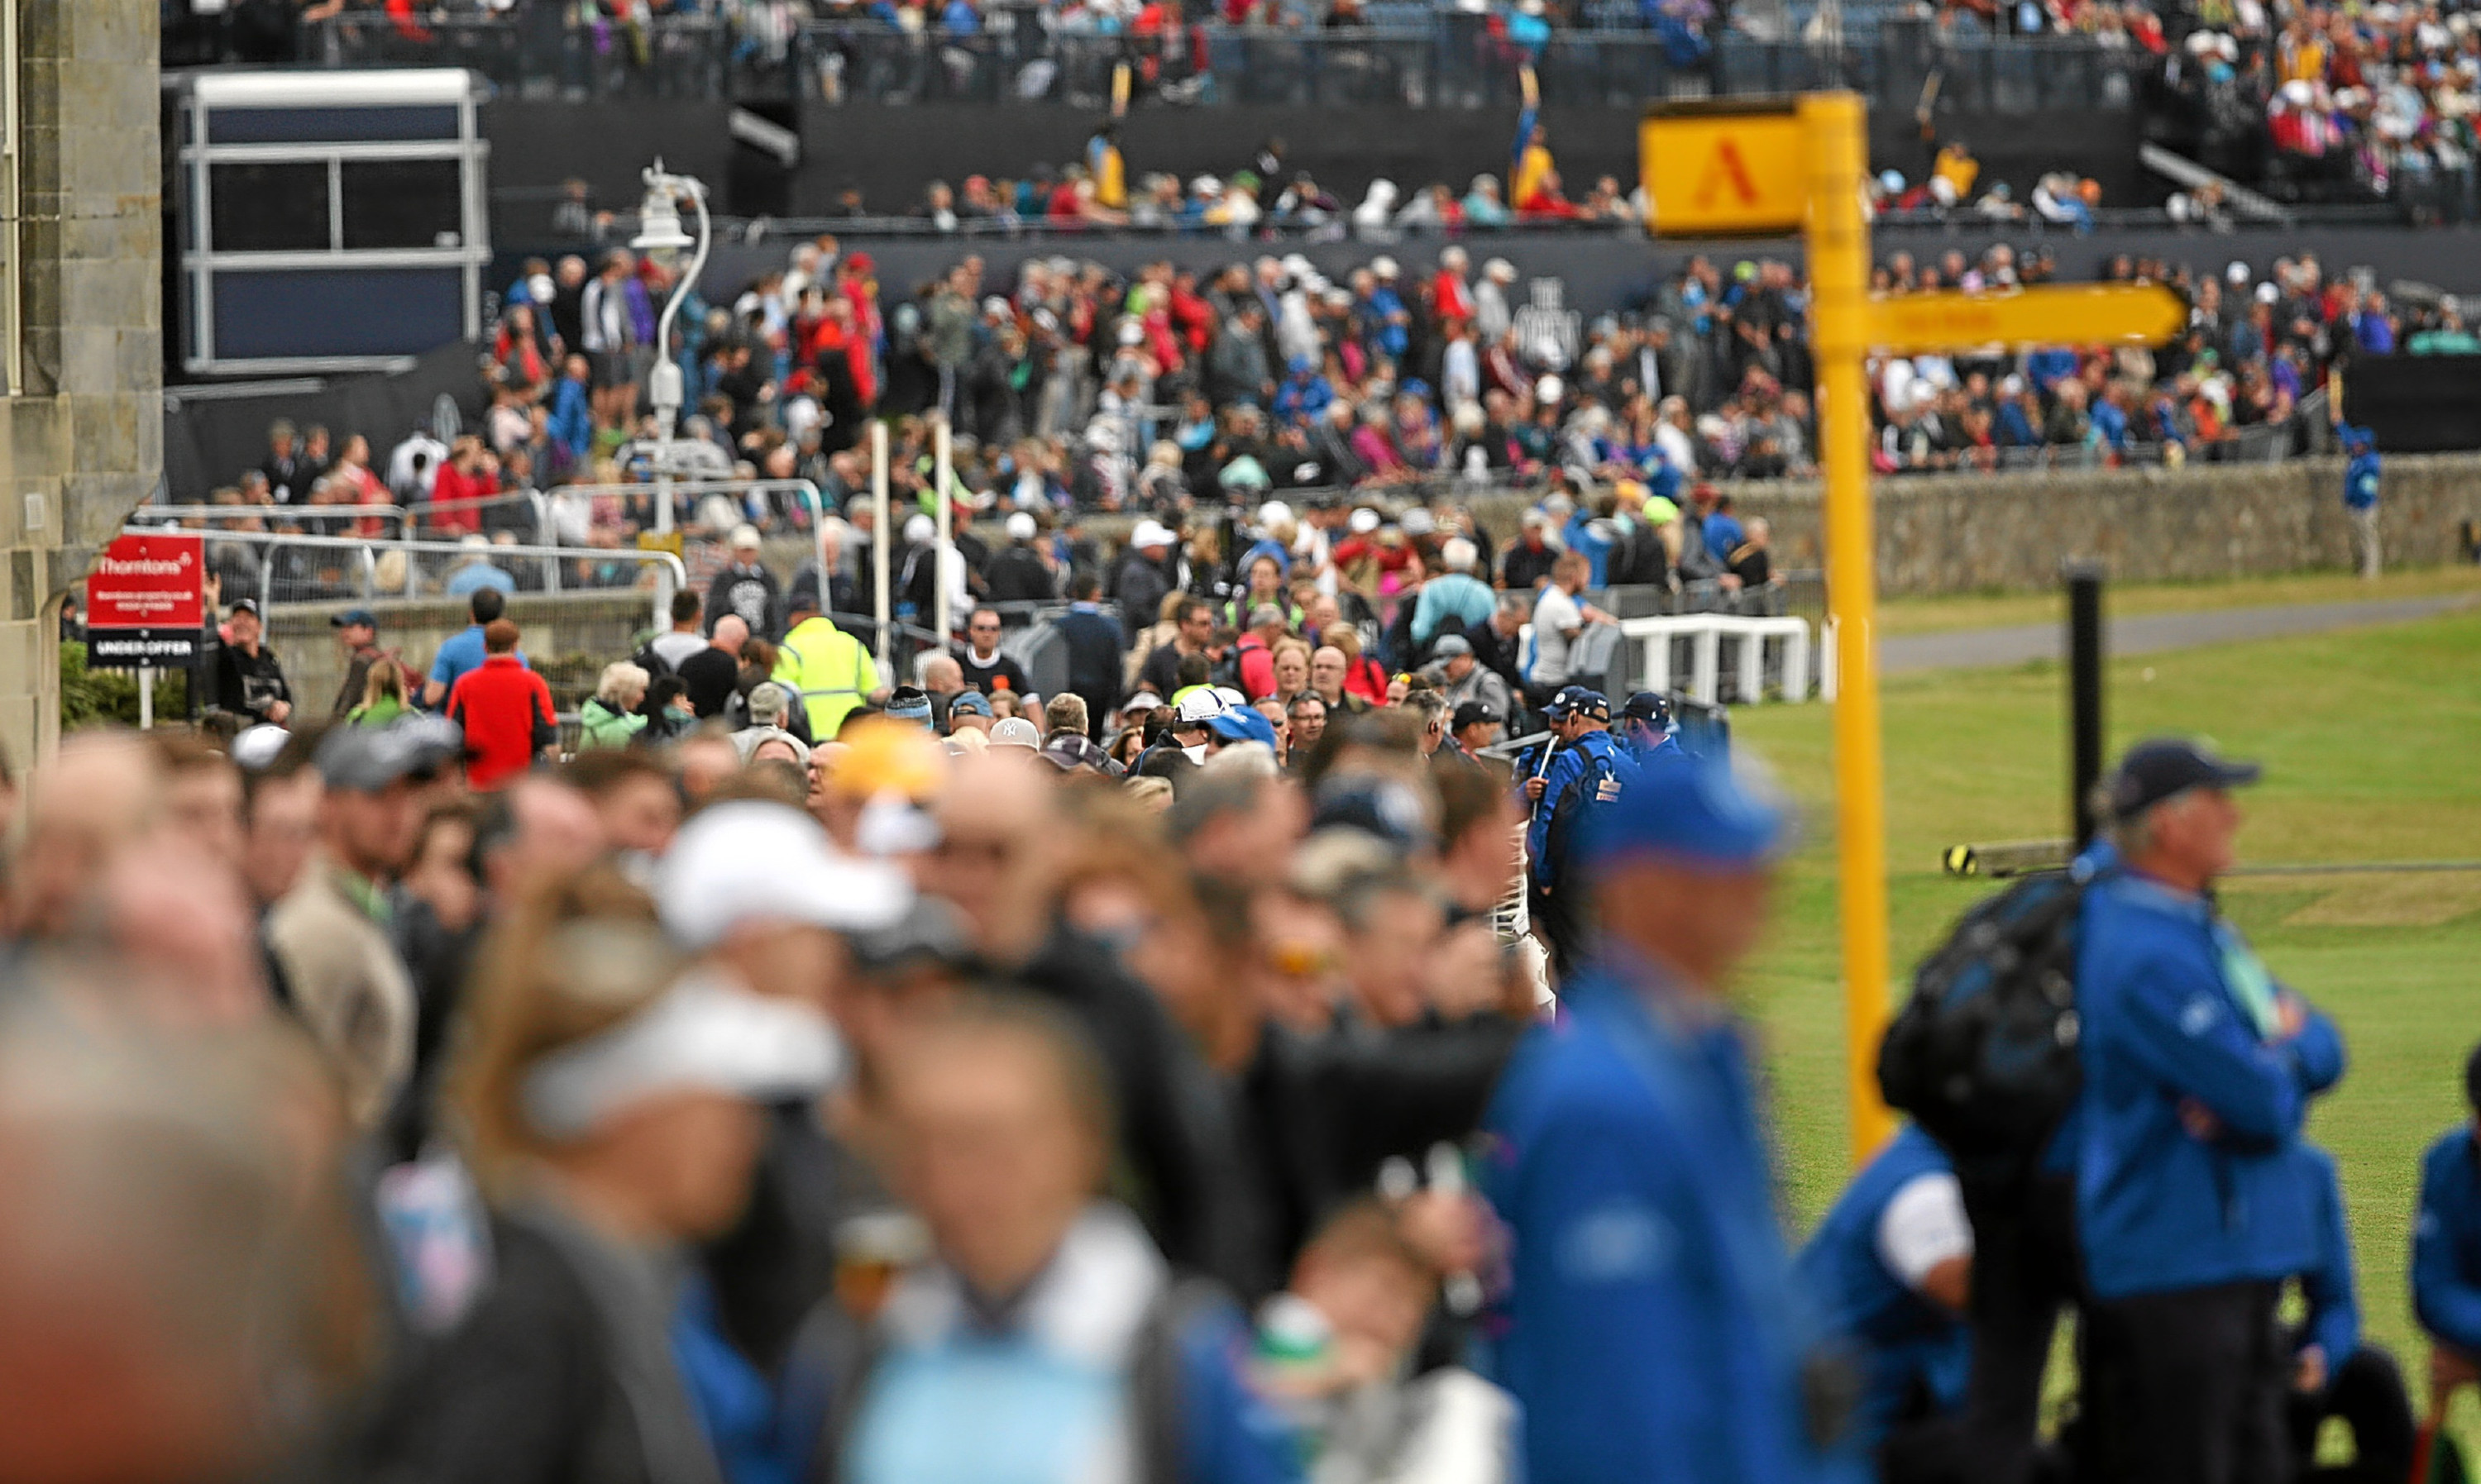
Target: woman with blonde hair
{"type": "Point", "coordinates": [609, 1107]}
{"type": "Point", "coordinates": [382, 696]}
{"type": "Point", "coordinates": [610, 716]}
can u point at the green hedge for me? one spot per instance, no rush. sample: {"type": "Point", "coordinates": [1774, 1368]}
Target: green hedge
{"type": "Point", "coordinates": [106, 697]}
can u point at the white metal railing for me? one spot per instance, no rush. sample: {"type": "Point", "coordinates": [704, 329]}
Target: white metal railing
{"type": "Point", "coordinates": [184, 515]}
{"type": "Point", "coordinates": [805, 491]}
{"type": "Point", "coordinates": [365, 553]}
{"type": "Point", "coordinates": [1706, 633]}
{"type": "Point", "coordinates": [429, 511]}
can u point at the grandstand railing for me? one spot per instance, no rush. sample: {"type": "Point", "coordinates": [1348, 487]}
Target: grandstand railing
{"type": "Point", "coordinates": [210, 516]}
{"type": "Point", "coordinates": [289, 568]}
{"type": "Point", "coordinates": [485, 510]}
{"type": "Point", "coordinates": [1417, 57]}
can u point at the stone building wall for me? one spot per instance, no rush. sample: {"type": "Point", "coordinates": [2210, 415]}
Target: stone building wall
{"type": "Point", "coordinates": [81, 442]}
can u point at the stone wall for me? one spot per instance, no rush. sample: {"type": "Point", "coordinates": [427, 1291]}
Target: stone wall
{"type": "Point", "coordinates": [1949, 534]}
{"type": "Point", "coordinates": [81, 443]}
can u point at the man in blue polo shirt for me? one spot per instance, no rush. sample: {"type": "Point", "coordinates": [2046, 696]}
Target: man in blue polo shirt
{"type": "Point", "coordinates": [462, 651]}
{"type": "Point", "coordinates": [1654, 1329]}
{"type": "Point", "coordinates": [2191, 1204]}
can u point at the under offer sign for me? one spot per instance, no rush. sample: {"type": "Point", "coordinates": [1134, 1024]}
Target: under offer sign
{"type": "Point", "coordinates": [146, 602]}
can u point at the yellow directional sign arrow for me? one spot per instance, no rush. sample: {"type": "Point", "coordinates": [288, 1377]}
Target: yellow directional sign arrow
{"type": "Point", "coordinates": [2051, 314]}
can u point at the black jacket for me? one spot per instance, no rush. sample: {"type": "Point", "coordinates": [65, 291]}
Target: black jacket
{"type": "Point", "coordinates": [710, 676]}
{"type": "Point", "coordinates": [1178, 1152]}
{"type": "Point", "coordinates": [1141, 586]}
{"type": "Point", "coordinates": [1318, 1115]}
{"type": "Point", "coordinates": [248, 684]}
{"type": "Point", "coordinates": [1017, 575]}
{"type": "Point", "coordinates": [526, 1390]}
{"type": "Point", "coordinates": [1095, 643]}
{"type": "Point", "coordinates": [749, 592]}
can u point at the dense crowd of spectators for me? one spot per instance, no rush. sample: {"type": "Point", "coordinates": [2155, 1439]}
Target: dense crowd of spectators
{"type": "Point", "coordinates": [933, 1084]}
{"type": "Point", "coordinates": [2327, 102]}
{"type": "Point", "coordinates": [2306, 99]}
{"type": "Point", "coordinates": [1170, 391]}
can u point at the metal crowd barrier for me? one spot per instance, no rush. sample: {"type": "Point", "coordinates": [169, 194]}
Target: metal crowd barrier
{"type": "Point", "coordinates": [364, 559]}
{"type": "Point", "coordinates": [190, 515]}
{"type": "Point", "coordinates": [533, 502]}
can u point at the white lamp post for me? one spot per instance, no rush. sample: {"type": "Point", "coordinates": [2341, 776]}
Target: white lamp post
{"type": "Point", "coordinates": [660, 236]}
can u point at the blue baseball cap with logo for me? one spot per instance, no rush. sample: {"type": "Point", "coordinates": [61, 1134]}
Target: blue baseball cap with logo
{"type": "Point", "coordinates": [1575, 700]}
{"type": "Point", "coordinates": [1698, 812]}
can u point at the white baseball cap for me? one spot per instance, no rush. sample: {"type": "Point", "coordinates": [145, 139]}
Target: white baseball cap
{"type": "Point", "coordinates": [1021, 527]}
{"type": "Point", "coordinates": [1015, 732]}
{"type": "Point", "coordinates": [751, 861]}
{"type": "Point", "coordinates": [705, 1033]}
{"type": "Point", "coordinates": [1149, 533]}
{"type": "Point", "coordinates": [257, 746]}
{"type": "Point", "coordinates": [1201, 705]}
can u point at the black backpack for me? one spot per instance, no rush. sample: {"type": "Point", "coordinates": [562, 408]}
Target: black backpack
{"type": "Point", "coordinates": [1983, 1056]}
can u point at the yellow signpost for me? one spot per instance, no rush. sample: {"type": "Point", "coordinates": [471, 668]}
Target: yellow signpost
{"type": "Point", "coordinates": [2062, 314]}
{"type": "Point", "coordinates": [1724, 169]}
{"type": "Point", "coordinates": [1713, 169]}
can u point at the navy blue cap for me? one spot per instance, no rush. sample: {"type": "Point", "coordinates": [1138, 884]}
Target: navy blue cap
{"type": "Point", "coordinates": [355, 617]}
{"type": "Point", "coordinates": [1696, 811]}
{"type": "Point", "coordinates": [1651, 707]}
{"type": "Point", "coordinates": [1580, 698]}
{"type": "Point", "coordinates": [1243, 723]}
{"type": "Point", "coordinates": [2155, 770]}
{"type": "Point", "coordinates": [1383, 807]}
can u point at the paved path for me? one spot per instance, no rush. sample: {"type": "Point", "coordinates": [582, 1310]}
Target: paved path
{"type": "Point", "coordinates": [2150, 634]}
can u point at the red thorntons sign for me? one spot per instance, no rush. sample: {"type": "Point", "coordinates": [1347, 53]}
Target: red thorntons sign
{"type": "Point", "coordinates": [145, 603]}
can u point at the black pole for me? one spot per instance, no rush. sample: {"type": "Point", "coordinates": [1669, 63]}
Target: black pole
{"type": "Point", "coordinates": [2084, 693]}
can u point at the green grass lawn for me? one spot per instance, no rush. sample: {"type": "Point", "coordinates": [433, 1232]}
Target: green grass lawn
{"type": "Point", "coordinates": [2371, 741]}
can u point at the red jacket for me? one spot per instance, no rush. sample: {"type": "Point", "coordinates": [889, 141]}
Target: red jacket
{"type": "Point", "coordinates": [451, 485]}
{"type": "Point", "coordinates": [507, 711]}
{"type": "Point", "coordinates": [1363, 677]}
{"type": "Point", "coordinates": [1258, 667]}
